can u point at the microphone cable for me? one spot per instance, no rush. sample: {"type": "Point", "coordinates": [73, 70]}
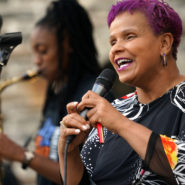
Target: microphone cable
{"type": "Point", "coordinates": [65, 160]}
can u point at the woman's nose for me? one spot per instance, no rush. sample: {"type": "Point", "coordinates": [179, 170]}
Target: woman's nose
{"type": "Point", "coordinates": [117, 48]}
{"type": "Point", "coordinates": [37, 60]}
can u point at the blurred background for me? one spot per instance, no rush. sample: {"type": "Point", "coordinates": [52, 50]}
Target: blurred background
{"type": "Point", "coordinates": [21, 103]}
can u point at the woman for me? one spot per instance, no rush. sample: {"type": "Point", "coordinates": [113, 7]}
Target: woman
{"type": "Point", "coordinates": [65, 53]}
{"type": "Point", "coordinates": [144, 135]}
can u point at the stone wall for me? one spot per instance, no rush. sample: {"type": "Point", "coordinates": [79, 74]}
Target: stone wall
{"type": "Point", "coordinates": [22, 102]}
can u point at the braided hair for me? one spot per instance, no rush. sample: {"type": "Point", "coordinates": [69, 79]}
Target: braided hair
{"type": "Point", "coordinates": [70, 17]}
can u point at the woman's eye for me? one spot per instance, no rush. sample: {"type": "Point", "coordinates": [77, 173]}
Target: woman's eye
{"type": "Point", "coordinates": [112, 42]}
{"type": "Point", "coordinates": [130, 36]}
{"type": "Point", "coordinates": [42, 52]}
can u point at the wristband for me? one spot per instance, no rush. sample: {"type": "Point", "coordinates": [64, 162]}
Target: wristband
{"type": "Point", "coordinates": [28, 156]}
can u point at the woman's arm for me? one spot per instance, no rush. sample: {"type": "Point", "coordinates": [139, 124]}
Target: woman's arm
{"type": "Point", "coordinates": [14, 152]}
{"type": "Point", "coordinates": [72, 124]}
{"type": "Point", "coordinates": [166, 157]}
{"type": "Point", "coordinates": [134, 133]}
{"type": "Point", "coordinates": [75, 168]}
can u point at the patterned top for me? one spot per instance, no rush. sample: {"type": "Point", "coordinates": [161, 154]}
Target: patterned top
{"type": "Point", "coordinates": [115, 162]}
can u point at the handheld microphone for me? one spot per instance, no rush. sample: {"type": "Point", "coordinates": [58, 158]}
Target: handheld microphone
{"type": "Point", "coordinates": [101, 86]}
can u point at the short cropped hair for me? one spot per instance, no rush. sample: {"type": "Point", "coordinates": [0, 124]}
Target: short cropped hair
{"type": "Point", "coordinates": [161, 17]}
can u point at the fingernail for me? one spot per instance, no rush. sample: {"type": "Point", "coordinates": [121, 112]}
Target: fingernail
{"type": "Point", "coordinates": [77, 131]}
{"type": "Point", "coordinates": [85, 127]}
{"type": "Point", "coordinates": [75, 103]}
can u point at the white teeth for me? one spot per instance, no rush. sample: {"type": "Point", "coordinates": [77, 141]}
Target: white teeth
{"type": "Point", "coordinates": [123, 65]}
{"type": "Point", "coordinates": [119, 62]}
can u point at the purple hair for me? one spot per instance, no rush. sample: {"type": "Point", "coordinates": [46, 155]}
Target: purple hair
{"type": "Point", "coordinates": [162, 18]}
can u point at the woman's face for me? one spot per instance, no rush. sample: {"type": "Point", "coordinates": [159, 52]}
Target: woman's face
{"type": "Point", "coordinates": [45, 51]}
{"type": "Point", "coordinates": [135, 50]}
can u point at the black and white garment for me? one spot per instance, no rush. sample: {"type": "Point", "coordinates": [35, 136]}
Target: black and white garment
{"type": "Point", "coordinates": [115, 162]}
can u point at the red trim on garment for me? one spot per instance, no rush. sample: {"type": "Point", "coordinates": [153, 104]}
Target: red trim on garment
{"type": "Point", "coordinates": [129, 95]}
{"type": "Point", "coordinates": [100, 132]}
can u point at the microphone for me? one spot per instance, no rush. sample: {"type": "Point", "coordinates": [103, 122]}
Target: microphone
{"type": "Point", "coordinates": [10, 39]}
{"type": "Point", "coordinates": [8, 42]}
{"type": "Point", "coordinates": [101, 86]}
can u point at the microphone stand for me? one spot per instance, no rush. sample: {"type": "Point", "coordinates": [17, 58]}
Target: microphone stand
{"type": "Point", "coordinates": [1, 130]}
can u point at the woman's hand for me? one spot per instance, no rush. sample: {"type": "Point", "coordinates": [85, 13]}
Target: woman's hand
{"type": "Point", "coordinates": [101, 111]}
{"type": "Point", "coordinates": [73, 124]}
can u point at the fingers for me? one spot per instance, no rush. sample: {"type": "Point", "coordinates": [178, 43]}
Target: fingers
{"type": "Point", "coordinates": [74, 120]}
{"type": "Point", "coordinates": [73, 124]}
{"type": "Point", "coordinates": [72, 107]}
{"type": "Point", "coordinates": [70, 131]}
{"type": "Point", "coordinates": [89, 100]}
{"type": "Point", "coordinates": [93, 117]}
{"type": "Point", "coordinates": [89, 94]}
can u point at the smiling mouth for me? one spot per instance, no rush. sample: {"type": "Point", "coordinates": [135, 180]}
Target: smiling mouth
{"type": "Point", "coordinates": [123, 63]}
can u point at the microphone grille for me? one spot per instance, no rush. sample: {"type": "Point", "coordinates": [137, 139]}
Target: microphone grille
{"type": "Point", "coordinates": [107, 77]}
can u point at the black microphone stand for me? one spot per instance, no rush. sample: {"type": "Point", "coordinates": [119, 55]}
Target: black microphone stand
{"type": "Point", "coordinates": [8, 42]}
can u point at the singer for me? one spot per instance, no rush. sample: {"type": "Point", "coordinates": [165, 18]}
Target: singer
{"type": "Point", "coordinates": [145, 130]}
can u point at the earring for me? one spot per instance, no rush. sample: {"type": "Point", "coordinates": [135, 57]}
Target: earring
{"type": "Point", "coordinates": [164, 60]}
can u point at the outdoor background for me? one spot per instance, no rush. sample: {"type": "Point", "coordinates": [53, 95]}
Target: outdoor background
{"type": "Point", "coordinates": [21, 103]}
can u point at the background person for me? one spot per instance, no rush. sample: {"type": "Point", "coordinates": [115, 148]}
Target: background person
{"type": "Point", "coordinates": [144, 135]}
{"type": "Point", "coordinates": [7, 177]}
{"type": "Point", "coordinates": [65, 53]}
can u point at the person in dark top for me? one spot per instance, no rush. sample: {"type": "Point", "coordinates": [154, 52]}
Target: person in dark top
{"type": "Point", "coordinates": [7, 176]}
{"type": "Point", "coordinates": [65, 53]}
{"type": "Point", "coordinates": [144, 130]}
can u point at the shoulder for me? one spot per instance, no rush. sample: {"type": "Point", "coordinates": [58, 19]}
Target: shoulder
{"type": "Point", "coordinates": [125, 100]}
{"type": "Point", "coordinates": [178, 96]}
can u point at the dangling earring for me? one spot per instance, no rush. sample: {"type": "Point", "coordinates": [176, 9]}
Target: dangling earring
{"type": "Point", "coordinates": [164, 60]}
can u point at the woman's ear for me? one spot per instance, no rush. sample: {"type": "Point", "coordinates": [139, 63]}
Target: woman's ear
{"type": "Point", "coordinates": [166, 43]}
